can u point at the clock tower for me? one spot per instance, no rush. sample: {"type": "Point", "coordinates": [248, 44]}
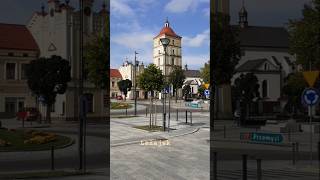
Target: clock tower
{"type": "Point", "coordinates": [173, 50]}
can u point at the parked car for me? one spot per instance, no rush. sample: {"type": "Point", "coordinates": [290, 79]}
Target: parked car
{"type": "Point", "coordinates": [29, 114]}
{"type": "Point", "coordinates": [119, 98]}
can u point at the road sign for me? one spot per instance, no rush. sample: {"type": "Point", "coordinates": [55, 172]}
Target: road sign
{"type": "Point", "coordinates": [206, 86]}
{"type": "Point", "coordinates": [310, 96]}
{"type": "Point", "coordinates": [311, 77]}
{"type": "Point", "coordinates": [207, 92]}
{"type": "Point", "coordinates": [262, 137]}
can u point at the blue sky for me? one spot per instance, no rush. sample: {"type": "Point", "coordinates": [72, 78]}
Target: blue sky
{"type": "Point", "coordinates": [134, 23]}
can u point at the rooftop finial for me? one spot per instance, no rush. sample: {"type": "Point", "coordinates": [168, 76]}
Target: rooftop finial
{"type": "Point", "coordinates": [166, 24]}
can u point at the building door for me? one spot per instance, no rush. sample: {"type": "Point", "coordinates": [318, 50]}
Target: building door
{"type": "Point", "coordinates": [20, 105]}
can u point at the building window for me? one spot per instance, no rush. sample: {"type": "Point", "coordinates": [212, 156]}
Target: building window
{"type": "Point", "coordinates": [264, 88]}
{"type": "Point", "coordinates": [159, 51]}
{"type": "Point", "coordinates": [25, 54]}
{"type": "Point", "coordinates": [266, 66]}
{"type": "Point", "coordinates": [23, 72]}
{"type": "Point", "coordinates": [158, 61]}
{"type": "Point", "coordinates": [10, 71]}
{"type": "Point", "coordinates": [173, 51]}
{"type": "Point", "coordinates": [10, 54]}
{"type": "Point", "coordinates": [89, 106]}
{"type": "Point", "coordinates": [173, 42]}
{"type": "Point", "coordinates": [112, 83]}
{"type": "Point", "coordinates": [172, 61]}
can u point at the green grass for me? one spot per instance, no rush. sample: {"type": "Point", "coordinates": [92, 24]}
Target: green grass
{"type": "Point", "coordinates": [16, 138]}
{"type": "Point", "coordinates": [147, 128]}
{"type": "Point", "coordinates": [42, 175]}
{"type": "Point", "coordinates": [120, 105]}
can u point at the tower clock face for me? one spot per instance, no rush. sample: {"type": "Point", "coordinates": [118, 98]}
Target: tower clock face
{"type": "Point", "coordinates": [87, 11]}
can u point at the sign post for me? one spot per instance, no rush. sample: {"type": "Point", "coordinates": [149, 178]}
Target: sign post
{"type": "Point", "coordinates": [310, 97]}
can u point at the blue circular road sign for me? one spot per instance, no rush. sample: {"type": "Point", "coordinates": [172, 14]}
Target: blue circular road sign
{"type": "Point", "coordinates": [310, 96]}
{"type": "Point", "coordinates": [207, 92]}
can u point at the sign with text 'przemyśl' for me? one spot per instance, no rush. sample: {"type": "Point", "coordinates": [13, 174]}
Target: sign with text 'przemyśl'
{"type": "Point", "coordinates": [262, 137]}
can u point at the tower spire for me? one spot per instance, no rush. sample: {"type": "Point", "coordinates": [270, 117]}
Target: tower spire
{"type": "Point", "coordinates": [243, 16]}
{"type": "Point", "coordinates": [166, 24]}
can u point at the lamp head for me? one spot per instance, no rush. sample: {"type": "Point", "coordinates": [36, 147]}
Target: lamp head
{"type": "Point", "coordinates": [165, 41]}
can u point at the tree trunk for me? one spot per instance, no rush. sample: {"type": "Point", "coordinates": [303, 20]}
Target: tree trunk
{"type": "Point", "coordinates": [176, 96]}
{"type": "Point", "coordinates": [48, 114]}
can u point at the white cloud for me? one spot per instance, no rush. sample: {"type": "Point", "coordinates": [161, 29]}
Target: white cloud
{"type": "Point", "coordinates": [198, 40]}
{"type": "Point", "coordinates": [133, 40]}
{"type": "Point", "coordinates": [120, 8]}
{"type": "Point", "coordinates": [206, 11]}
{"type": "Point", "coordinates": [179, 6]}
{"type": "Point", "coordinates": [195, 61]}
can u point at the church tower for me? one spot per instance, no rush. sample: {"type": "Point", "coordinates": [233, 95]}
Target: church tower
{"type": "Point", "coordinates": [173, 51]}
{"type": "Point", "coordinates": [243, 16]}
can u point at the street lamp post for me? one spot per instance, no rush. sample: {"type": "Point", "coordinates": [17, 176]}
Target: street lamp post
{"type": "Point", "coordinates": [135, 84]}
{"type": "Point", "coordinates": [165, 42]}
{"type": "Point", "coordinates": [81, 108]}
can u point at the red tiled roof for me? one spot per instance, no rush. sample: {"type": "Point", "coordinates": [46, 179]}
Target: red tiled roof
{"type": "Point", "coordinates": [167, 31]}
{"type": "Point", "coordinates": [17, 37]}
{"type": "Point", "coordinates": [114, 73]}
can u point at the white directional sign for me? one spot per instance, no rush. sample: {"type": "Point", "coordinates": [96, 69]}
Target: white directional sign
{"type": "Point", "coordinates": [310, 96]}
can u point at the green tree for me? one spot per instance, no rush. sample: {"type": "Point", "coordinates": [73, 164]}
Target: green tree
{"type": "Point", "coordinates": [245, 89]}
{"type": "Point", "coordinates": [186, 91]}
{"type": "Point", "coordinates": [225, 51]}
{"type": "Point", "coordinates": [151, 80]}
{"type": "Point", "coordinates": [292, 90]}
{"type": "Point", "coordinates": [304, 36]}
{"type": "Point", "coordinates": [201, 90]}
{"type": "Point", "coordinates": [225, 54]}
{"type": "Point", "coordinates": [125, 86]}
{"type": "Point", "coordinates": [48, 77]}
{"type": "Point", "coordinates": [176, 79]}
{"type": "Point", "coordinates": [96, 52]}
{"type": "Point", "coordinates": [205, 73]}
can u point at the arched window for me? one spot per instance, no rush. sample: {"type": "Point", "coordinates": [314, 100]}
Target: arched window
{"type": "Point", "coordinates": [266, 66]}
{"type": "Point", "coordinates": [264, 88]}
{"type": "Point", "coordinates": [172, 61]}
{"type": "Point", "coordinates": [173, 51]}
{"type": "Point", "coordinates": [173, 42]}
{"type": "Point", "coordinates": [158, 61]}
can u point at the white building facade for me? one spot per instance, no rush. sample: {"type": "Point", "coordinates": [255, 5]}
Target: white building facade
{"type": "Point", "coordinates": [58, 33]}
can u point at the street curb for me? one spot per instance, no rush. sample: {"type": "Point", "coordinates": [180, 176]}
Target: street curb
{"type": "Point", "coordinates": [152, 139]}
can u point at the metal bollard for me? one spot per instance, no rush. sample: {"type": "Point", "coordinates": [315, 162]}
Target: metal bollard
{"type": "Point", "coordinates": [186, 116]}
{"type": "Point", "coordinates": [191, 117]}
{"type": "Point", "coordinates": [259, 170]}
{"type": "Point", "coordinates": [297, 151]}
{"type": "Point", "coordinates": [293, 153]}
{"type": "Point", "coordinates": [244, 167]}
{"type": "Point", "coordinates": [52, 157]}
{"type": "Point", "coordinates": [177, 114]}
{"type": "Point", "coordinates": [289, 135]}
{"type": "Point", "coordinates": [215, 172]}
{"type": "Point", "coordinates": [224, 131]}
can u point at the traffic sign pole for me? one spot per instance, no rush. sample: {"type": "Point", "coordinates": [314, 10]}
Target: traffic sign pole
{"type": "Point", "coordinates": [310, 116]}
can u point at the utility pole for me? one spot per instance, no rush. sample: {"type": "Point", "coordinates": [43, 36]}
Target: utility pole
{"type": "Point", "coordinates": [135, 83]}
